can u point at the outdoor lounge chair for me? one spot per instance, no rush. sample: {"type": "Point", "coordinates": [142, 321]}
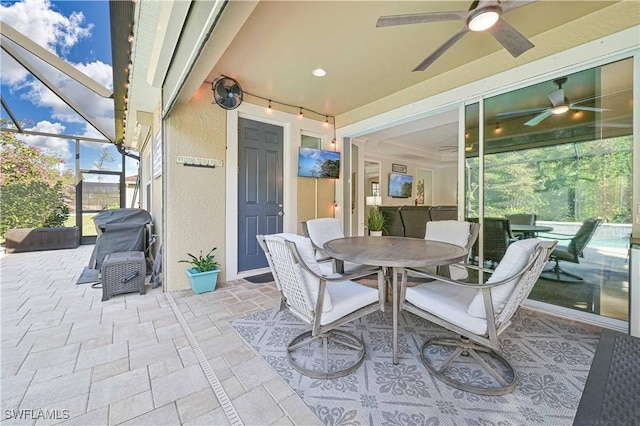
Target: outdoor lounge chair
{"type": "Point", "coordinates": [325, 303]}
{"type": "Point", "coordinates": [570, 253]}
{"type": "Point", "coordinates": [478, 313]}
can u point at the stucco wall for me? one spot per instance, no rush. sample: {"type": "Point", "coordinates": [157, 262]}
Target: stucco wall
{"type": "Point", "coordinates": [194, 196]}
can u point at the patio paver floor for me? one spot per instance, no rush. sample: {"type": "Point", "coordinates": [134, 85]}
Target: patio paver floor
{"type": "Point", "coordinates": [71, 359]}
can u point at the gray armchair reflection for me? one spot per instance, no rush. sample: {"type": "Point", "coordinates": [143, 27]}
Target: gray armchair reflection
{"type": "Point", "coordinates": [571, 252]}
{"type": "Point", "coordinates": [521, 219]}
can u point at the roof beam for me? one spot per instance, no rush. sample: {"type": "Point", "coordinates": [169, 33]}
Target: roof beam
{"type": "Point", "coordinates": [13, 117]}
{"type": "Point", "coordinates": [51, 59]}
{"type": "Point", "coordinates": [55, 135]}
{"type": "Point", "coordinates": [37, 74]}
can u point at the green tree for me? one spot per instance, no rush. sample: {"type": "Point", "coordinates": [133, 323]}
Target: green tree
{"type": "Point", "coordinates": [32, 186]}
{"type": "Point", "coordinates": [330, 168]}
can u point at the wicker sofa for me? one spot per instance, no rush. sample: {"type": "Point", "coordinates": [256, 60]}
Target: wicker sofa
{"type": "Point", "coordinates": [411, 221]}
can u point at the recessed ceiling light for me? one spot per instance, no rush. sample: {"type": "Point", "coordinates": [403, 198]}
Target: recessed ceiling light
{"type": "Point", "coordinates": [318, 72]}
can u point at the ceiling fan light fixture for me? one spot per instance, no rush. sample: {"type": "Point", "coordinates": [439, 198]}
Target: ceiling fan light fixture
{"type": "Point", "coordinates": [483, 19]}
{"type": "Point", "coordinates": [560, 109]}
{"type": "Point", "coordinates": [319, 72]}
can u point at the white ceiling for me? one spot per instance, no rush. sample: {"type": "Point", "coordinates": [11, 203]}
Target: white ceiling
{"type": "Point", "coordinates": [272, 56]}
{"type": "Point", "coordinates": [278, 45]}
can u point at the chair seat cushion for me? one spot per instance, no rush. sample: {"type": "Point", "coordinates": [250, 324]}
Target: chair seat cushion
{"type": "Point", "coordinates": [517, 256]}
{"type": "Point", "coordinates": [563, 253]}
{"type": "Point", "coordinates": [347, 297]}
{"type": "Point", "coordinates": [449, 302]}
{"type": "Point", "coordinates": [326, 268]}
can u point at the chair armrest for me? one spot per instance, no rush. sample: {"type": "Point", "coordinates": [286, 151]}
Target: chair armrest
{"type": "Point", "coordinates": [474, 285]}
{"type": "Point", "coordinates": [304, 266]}
{"type": "Point", "coordinates": [552, 236]}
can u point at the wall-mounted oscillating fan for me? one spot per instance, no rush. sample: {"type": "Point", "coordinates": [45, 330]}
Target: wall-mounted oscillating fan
{"type": "Point", "coordinates": [227, 92]}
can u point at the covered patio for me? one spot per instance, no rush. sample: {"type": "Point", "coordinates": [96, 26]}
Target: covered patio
{"type": "Point", "coordinates": [161, 358]}
{"type": "Point", "coordinates": [158, 358]}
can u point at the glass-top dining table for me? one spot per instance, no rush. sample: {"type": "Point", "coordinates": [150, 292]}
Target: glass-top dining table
{"type": "Point", "coordinates": [394, 254]}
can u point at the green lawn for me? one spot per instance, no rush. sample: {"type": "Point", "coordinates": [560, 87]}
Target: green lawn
{"type": "Point", "coordinates": [88, 227]}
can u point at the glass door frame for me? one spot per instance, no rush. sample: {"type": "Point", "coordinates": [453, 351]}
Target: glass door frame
{"type": "Point", "coordinates": [634, 287]}
{"type": "Point", "coordinates": [80, 211]}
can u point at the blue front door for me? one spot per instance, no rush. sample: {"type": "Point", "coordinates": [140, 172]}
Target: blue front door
{"type": "Point", "coordinates": [259, 189]}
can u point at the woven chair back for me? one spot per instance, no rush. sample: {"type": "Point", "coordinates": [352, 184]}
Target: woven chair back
{"type": "Point", "coordinates": [527, 281]}
{"type": "Point", "coordinates": [291, 278]}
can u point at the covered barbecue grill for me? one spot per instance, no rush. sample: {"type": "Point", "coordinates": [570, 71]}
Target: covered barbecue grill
{"type": "Point", "coordinates": [120, 230]}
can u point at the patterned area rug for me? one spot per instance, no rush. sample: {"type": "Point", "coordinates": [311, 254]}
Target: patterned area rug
{"type": "Point", "coordinates": [552, 360]}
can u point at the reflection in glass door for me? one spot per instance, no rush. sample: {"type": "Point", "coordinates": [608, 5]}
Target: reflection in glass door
{"type": "Point", "coordinates": [563, 150]}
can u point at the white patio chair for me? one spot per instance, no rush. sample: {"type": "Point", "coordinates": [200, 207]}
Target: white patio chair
{"type": "Point", "coordinates": [323, 302]}
{"type": "Point", "coordinates": [463, 234]}
{"type": "Point", "coordinates": [479, 313]}
{"type": "Point", "coordinates": [326, 229]}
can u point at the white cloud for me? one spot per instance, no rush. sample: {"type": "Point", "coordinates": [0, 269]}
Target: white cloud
{"type": "Point", "coordinates": [52, 146]}
{"type": "Point", "coordinates": [57, 33]}
{"type": "Point", "coordinates": [50, 29]}
{"type": "Point", "coordinates": [99, 71]}
{"type": "Point", "coordinates": [92, 105]}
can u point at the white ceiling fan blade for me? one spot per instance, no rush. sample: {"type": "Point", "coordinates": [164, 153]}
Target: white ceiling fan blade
{"type": "Point", "coordinates": [538, 118]}
{"type": "Point", "coordinates": [514, 4]}
{"type": "Point", "coordinates": [584, 108]}
{"type": "Point", "coordinates": [420, 18]}
{"type": "Point", "coordinates": [440, 50]}
{"type": "Point", "coordinates": [556, 97]}
{"type": "Point", "coordinates": [510, 38]}
{"type": "Point", "coordinates": [513, 114]}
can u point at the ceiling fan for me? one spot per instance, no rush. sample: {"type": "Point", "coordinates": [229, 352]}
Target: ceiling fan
{"type": "Point", "coordinates": [559, 105]}
{"type": "Point", "coordinates": [482, 15]}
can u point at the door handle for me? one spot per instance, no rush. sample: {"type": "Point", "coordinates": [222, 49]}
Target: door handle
{"type": "Point", "coordinates": [280, 213]}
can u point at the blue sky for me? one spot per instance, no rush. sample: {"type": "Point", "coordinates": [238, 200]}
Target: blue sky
{"type": "Point", "coordinates": [78, 32]}
{"type": "Point", "coordinates": [310, 160]}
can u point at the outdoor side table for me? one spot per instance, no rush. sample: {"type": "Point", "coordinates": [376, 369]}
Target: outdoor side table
{"type": "Point", "coordinates": [123, 272]}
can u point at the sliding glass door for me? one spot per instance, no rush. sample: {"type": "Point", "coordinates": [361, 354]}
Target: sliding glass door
{"type": "Point", "coordinates": [562, 151]}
